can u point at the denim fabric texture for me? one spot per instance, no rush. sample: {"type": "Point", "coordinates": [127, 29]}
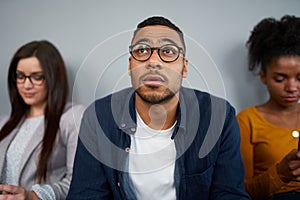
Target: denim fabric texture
{"type": "Point", "coordinates": [208, 165]}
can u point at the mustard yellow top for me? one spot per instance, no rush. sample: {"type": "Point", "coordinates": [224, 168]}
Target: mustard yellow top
{"type": "Point", "coordinates": [263, 145]}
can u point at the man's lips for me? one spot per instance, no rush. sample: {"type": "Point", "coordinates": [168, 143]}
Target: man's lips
{"type": "Point", "coordinates": [153, 80]}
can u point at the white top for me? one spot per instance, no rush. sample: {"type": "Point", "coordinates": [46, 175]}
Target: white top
{"type": "Point", "coordinates": [152, 162]}
{"type": "Point", "coordinates": [15, 153]}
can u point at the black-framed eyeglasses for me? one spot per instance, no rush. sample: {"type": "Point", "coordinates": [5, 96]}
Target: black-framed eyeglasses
{"type": "Point", "coordinates": [36, 78]}
{"type": "Point", "coordinates": [167, 53]}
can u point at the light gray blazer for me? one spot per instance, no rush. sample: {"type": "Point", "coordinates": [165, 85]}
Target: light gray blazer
{"type": "Point", "coordinates": [60, 166]}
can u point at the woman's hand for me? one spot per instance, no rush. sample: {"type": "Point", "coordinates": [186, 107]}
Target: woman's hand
{"type": "Point", "coordinates": [289, 167]}
{"type": "Point", "coordinates": [12, 192]}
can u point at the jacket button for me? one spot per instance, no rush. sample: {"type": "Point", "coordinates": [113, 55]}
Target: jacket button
{"type": "Point", "coordinates": [133, 129]}
{"type": "Point", "coordinates": [127, 149]}
{"type": "Point", "coordinates": [123, 125]}
{"type": "Point", "coordinates": [118, 184]}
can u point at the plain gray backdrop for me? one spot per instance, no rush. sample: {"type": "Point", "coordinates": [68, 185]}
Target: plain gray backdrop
{"type": "Point", "coordinates": [93, 38]}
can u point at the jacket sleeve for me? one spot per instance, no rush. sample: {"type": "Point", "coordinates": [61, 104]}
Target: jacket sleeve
{"type": "Point", "coordinates": [228, 177]}
{"type": "Point", "coordinates": [89, 180]}
{"type": "Point", "coordinates": [69, 128]}
{"type": "Point", "coordinates": [266, 183]}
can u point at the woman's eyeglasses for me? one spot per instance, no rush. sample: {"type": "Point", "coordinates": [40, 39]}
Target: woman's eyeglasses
{"type": "Point", "coordinates": [36, 78]}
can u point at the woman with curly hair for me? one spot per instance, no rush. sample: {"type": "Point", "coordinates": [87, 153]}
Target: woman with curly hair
{"type": "Point", "coordinates": [270, 132]}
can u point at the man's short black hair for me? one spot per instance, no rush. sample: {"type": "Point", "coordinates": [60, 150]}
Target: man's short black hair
{"type": "Point", "coordinates": [159, 20]}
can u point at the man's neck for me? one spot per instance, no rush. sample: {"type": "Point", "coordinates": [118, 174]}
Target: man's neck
{"type": "Point", "coordinates": [158, 116]}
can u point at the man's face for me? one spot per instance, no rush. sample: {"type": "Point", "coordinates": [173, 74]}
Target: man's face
{"type": "Point", "coordinates": [155, 80]}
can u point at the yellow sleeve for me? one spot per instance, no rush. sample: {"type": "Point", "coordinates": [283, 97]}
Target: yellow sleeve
{"type": "Point", "coordinates": [266, 183]}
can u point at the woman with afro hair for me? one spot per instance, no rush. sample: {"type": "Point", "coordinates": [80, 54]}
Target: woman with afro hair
{"type": "Point", "coordinates": [270, 131]}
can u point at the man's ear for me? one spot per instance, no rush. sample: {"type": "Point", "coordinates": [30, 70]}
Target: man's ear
{"type": "Point", "coordinates": [185, 68]}
{"type": "Point", "coordinates": [129, 66]}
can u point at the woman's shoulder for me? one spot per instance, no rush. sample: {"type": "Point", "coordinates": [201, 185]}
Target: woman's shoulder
{"type": "Point", "coordinates": [247, 112]}
{"type": "Point", "coordinates": [72, 113]}
{"type": "Point", "coordinates": [70, 106]}
{"type": "Point", "coordinates": [73, 108]}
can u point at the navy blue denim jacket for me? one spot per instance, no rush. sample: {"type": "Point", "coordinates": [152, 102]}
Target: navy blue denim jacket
{"type": "Point", "coordinates": [206, 136]}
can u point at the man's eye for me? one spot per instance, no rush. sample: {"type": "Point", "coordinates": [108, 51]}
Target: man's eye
{"type": "Point", "coordinates": [142, 50]}
{"type": "Point", "coordinates": [169, 51]}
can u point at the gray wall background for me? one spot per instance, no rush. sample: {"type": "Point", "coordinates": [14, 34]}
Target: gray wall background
{"type": "Point", "coordinates": [93, 37]}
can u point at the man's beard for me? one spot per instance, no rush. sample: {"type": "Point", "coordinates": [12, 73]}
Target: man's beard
{"type": "Point", "coordinates": [155, 98]}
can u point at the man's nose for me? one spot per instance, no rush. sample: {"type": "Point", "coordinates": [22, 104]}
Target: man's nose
{"type": "Point", "coordinates": [154, 61]}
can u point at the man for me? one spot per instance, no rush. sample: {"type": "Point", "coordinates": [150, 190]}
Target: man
{"type": "Point", "coordinates": [158, 140]}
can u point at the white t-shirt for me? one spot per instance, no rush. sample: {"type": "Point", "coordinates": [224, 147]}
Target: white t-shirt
{"type": "Point", "coordinates": [152, 158]}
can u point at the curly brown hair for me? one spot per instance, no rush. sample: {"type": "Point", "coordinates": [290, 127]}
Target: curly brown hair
{"type": "Point", "coordinates": [271, 39]}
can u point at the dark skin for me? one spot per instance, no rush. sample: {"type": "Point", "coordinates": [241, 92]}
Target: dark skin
{"type": "Point", "coordinates": [158, 82]}
{"type": "Point", "coordinates": [282, 79]}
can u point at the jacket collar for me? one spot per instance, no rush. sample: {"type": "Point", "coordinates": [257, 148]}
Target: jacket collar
{"type": "Point", "coordinates": [124, 102]}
